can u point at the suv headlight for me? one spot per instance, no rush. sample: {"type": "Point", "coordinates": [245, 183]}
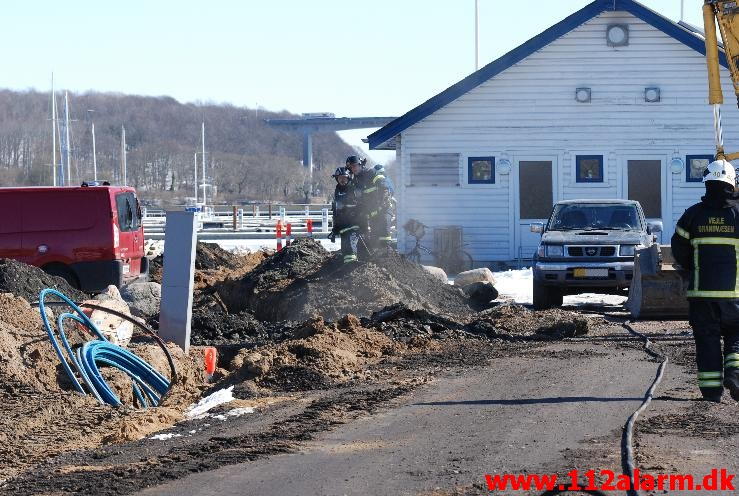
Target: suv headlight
{"type": "Point", "coordinates": [555, 250]}
{"type": "Point", "coordinates": [540, 250]}
{"type": "Point", "coordinates": [626, 250]}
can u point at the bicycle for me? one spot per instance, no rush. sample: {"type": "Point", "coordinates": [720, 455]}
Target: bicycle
{"type": "Point", "coordinates": [453, 262]}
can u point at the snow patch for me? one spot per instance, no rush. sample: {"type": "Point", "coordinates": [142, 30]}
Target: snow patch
{"type": "Point", "coordinates": [211, 401]}
{"type": "Point", "coordinates": [518, 286]}
{"type": "Point", "coordinates": [165, 437]}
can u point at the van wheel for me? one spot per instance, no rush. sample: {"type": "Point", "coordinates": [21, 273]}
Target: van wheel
{"type": "Point", "coordinates": [546, 297]}
{"type": "Point", "coordinates": [61, 270]}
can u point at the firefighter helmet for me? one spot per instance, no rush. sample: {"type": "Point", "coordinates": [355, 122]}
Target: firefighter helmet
{"type": "Point", "coordinates": [720, 170]}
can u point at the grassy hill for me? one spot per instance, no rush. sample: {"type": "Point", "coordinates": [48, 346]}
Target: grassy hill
{"type": "Point", "coordinates": [246, 159]}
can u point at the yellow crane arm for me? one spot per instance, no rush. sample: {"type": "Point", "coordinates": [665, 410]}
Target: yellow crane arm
{"type": "Point", "coordinates": [726, 14]}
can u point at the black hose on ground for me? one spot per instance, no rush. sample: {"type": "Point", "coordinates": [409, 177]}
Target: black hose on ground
{"type": "Point", "coordinates": [148, 330]}
{"type": "Point", "coordinates": [627, 440]}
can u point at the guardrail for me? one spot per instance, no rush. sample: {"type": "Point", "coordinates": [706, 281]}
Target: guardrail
{"type": "Point", "coordinates": [247, 222]}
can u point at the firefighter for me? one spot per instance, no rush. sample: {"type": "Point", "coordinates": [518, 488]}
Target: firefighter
{"type": "Point", "coordinates": [374, 200]}
{"type": "Point", "coordinates": [344, 207]}
{"type": "Point", "coordinates": [706, 241]}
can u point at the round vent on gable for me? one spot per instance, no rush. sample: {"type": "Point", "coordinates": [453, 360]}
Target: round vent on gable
{"type": "Point", "coordinates": [617, 35]}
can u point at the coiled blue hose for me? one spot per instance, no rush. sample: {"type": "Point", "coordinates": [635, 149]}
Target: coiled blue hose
{"type": "Point", "coordinates": [148, 384]}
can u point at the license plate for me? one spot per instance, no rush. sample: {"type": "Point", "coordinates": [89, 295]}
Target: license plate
{"type": "Point", "coordinates": [126, 268]}
{"type": "Point", "coordinates": [590, 272]}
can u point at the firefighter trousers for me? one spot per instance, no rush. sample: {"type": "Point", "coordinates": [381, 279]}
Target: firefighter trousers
{"type": "Point", "coordinates": [710, 320]}
{"type": "Point", "coordinates": [379, 229]}
{"type": "Point", "coordinates": [349, 237]}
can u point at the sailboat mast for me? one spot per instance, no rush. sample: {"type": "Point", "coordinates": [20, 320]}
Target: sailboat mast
{"type": "Point", "coordinates": [94, 156]}
{"type": "Point", "coordinates": [205, 201]}
{"type": "Point", "coordinates": [53, 132]}
{"type": "Point", "coordinates": [69, 143]}
{"type": "Point", "coordinates": [196, 178]}
{"type": "Point", "coordinates": [124, 171]}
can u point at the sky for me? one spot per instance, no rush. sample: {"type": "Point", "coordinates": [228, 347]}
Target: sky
{"type": "Point", "coordinates": [350, 57]}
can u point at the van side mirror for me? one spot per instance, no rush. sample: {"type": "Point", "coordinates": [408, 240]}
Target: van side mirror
{"type": "Point", "coordinates": [537, 227]}
{"type": "Point", "coordinates": [655, 227]}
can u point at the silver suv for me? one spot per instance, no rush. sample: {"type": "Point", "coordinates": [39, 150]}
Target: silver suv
{"type": "Point", "coordinates": [588, 246]}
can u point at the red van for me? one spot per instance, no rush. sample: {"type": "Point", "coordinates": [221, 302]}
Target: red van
{"type": "Point", "coordinates": [90, 235]}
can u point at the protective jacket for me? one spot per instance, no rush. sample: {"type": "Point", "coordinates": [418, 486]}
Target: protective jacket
{"type": "Point", "coordinates": [372, 192]}
{"type": "Point", "coordinates": [344, 208]}
{"type": "Point", "coordinates": [706, 242]}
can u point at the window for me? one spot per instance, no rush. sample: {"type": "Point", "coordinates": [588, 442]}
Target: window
{"type": "Point", "coordinates": [128, 212]}
{"type": "Point", "coordinates": [434, 169]}
{"type": "Point", "coordinates": [694, 167]}
{"type": "Point", "coordinates": [481, 170]}
{"type": "Point", "coordinates": [589, 168]}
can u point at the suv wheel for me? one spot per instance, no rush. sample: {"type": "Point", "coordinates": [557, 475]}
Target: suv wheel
{"type": "Point", "coordinates": [546, 297]}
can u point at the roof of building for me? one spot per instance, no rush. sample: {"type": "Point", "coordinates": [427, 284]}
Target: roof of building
{"type": "Point", "coordinates": [692, 37]}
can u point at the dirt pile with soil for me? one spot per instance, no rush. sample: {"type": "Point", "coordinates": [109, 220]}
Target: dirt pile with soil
{"type": "Point", "coordinates": [320, 355]}
{"type": "Point", "coordinates": [44, 416]}
{"type": "Point", "coordinates": [212, 264]}
{"type": "Point", "coordinates": [304, 281]}
{"type": "Point", "coordinates": [506, 322]}
{"type": "Point", "coordinates": [27, 281]}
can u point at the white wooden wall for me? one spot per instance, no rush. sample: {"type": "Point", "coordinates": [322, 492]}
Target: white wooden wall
{"type": "Point", "coordinates": [530, 110]}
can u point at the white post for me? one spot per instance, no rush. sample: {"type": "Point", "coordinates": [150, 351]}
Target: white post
{"type": "Point", "coordinates": [307, 210]}
{"type": "Point", "coordinates": [94, 156]}
{"type": "Point", "coordinates": [124, 171]}
{"type": "Point", "coordinates": [324, 220]}
{"type": "Point", "coordinates": [53, 131]}
{"type": "Point", "coordinates": [282, 214]}
{"type": "Point", "coordinates": [205, 201]}
{"type": "Point", "coordinates": [477, 32]}
{"type": "Point", "coordinates": [682, 10]}
{"type": "Point", "coordinates": [196, 179]}
{"type": "Point", "coordinates": [241, 218]}
{"type": "Point", "coordinates": [256, 213]}
{"type": "Point", "coordinates": [69, 143]}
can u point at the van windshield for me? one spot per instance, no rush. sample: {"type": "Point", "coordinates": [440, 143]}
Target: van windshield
{"type": "Point", "coordinates": [594, 216]}
{"type": "Point", "coordinates": [128, 212]}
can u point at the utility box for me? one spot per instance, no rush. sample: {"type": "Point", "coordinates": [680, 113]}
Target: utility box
{"type": "Point", "coordinates": [180, 242]}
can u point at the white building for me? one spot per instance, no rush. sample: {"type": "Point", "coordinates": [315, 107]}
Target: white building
{"type": "Point", "coordinates": [611, 102]}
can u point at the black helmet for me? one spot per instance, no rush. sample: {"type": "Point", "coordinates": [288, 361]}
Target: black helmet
{"type": "Point", "coordinates": [340, 171]}
{"type": "Point", "coordinates": [354, 160]}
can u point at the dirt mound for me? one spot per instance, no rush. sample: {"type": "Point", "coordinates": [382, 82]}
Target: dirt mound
{"type": "Point", "coordinates": [43, 416]}
{"type": "Point", "coordinates": [517, 322]}
{"type": "Point", "coordinates": [303, 281]}
{"type": "Point", "coordinates": [27, 281]}
{"type": "Point", "coordinates": [212, 264]}
{"type": "Point", "coordinates": [320, 355]}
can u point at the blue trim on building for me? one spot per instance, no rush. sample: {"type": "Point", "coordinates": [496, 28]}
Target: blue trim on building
{"type": "Point", "coordinates": [537, 43]}
{"type": "Point", "coordinates": [479, 181]}
{"type": "Point", "coordinates": [688, 158]}
{"type": "Point", "coordinates": [599, 179]}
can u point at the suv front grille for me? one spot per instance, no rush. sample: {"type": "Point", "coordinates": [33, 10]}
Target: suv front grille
{"type": "Point", "coordinates": [591, 251]}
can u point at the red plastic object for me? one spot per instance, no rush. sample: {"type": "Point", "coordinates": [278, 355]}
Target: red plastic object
{"type": "Point", "coordinates": [211, 357]}
{"type": "Point", "coordinates": [278, 235]}
{"type": "Point", "coordinates": [289, 233]}
{"type": "Point", "coordinates": [309, 225]}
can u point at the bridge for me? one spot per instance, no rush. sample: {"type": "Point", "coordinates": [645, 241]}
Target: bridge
{"type": "Point", "coordinates": [323, 123]}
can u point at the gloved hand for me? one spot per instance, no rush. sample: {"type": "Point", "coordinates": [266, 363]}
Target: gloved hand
{"type": "Point", "coordinates": [332, 237]}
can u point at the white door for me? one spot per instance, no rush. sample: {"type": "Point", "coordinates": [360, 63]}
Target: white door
{"type": "Point", "coordinates": [644, 180]}
{"type": "Point", "coordinates": [536, 195]}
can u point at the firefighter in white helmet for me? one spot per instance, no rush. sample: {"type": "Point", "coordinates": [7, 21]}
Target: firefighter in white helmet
{"type": "Point", "coordinates": [706, 242]}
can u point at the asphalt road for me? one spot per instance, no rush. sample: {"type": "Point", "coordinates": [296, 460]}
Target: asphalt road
{"type": "Point", "coordinates": [522, 413]}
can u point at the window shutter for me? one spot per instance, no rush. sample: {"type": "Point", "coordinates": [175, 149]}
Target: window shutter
{"type": "Point", "coordinates": [434, 169]}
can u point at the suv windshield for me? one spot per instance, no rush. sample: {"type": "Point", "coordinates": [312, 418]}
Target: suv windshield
{"type": "Point", "coordinates": [594, 216]}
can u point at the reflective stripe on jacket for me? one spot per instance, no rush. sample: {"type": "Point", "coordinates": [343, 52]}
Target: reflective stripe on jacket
{"type": "Point", "coordinates": [706, 241]}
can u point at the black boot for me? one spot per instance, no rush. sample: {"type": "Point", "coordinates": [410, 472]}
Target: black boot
{"type": "Point", "coordinates": [731, 381]}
